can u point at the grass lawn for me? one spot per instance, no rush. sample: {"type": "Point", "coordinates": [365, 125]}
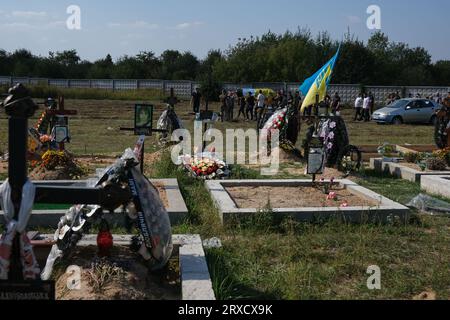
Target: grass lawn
{"type": "Point", "coordinates": [95, 130]}
{"type": "Point", "coordinates": [281, 259]}
{"type": "Point", "coordinates": [266, 257]}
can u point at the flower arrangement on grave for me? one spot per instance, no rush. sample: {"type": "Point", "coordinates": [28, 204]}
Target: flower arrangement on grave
{"type": "Point", "coordinates": [443, 154]}
{"type": "Point", "coordinates": [277, 121]}
{"type": "Point", "coordinates": [387, 150]}
{"type": "Point", "coordinates": [61, 162]}
{"type": "Point", "coordinates": [53, 159]}
{"type": "Point", "coordinates": [206, 166]}
{"type": "Point", "coordinates": [332, 196]}
{"type": "Point", "coordinates": [325, 186]}
{"type": "Point", "coordinates": [334, 135]}
{"type": "Point", "coordinates": [436, 164]}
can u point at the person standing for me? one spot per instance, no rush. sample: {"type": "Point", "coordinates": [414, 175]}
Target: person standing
{"type": "Point", "coordinates": [437, 98]}
{"type": "Point", "coordinates": [229, 106]}
{"type": "Point", "coordinates": [250, 106]}
{"type": "Point", "coordinates": [297, 99]}
{"type": "Point", "coordinates": [242, 105]}
{"type": "Point", "coordinates": [372, 103]}
{"type": "Point", "coordinates": [223, 98]}
{"type": "Point", "coordinates": [366, 108]}
{"type": "Point", "coordinates": [358, 108]}
{"type": "Point", "coordinates": [195, 101]}
{"type": "Point", "coordinates": [261, 101]}
{"type": "Point", "coordinates": [336, 103]}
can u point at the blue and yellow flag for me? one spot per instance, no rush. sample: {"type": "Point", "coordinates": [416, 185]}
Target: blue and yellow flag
{"type": "Point", "coordinates": [317, 84]}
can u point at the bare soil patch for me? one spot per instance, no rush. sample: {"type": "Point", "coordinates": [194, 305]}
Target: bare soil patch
{"type": "Point", "coordinates": [292, 197]}
{"type": "Point", "coordinates": [122, 277]}
{"type": "Point", "coordinates": [162, 193]}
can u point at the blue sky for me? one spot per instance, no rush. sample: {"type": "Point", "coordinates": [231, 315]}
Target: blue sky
{"type": "Point", "coordinates": [127, 27]}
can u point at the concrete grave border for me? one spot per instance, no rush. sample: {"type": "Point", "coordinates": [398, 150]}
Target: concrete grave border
{"type": "Point", "coordinates": [49, 218]}
{"type": "Point", "coordinates": [400, 171]}
{"type": "Point", "coordinates": [229, 211]}
{"type": "Point", "coordinates": [196, 281]}
{"type": "Point", "coordinates": [437, 185]}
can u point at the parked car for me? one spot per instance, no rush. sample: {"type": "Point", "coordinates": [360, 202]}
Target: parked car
{"type": "Point", "coordinates": [407, 111]}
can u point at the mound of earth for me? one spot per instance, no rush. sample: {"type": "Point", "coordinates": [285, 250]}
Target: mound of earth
{"type": "Point", "coordinates": [59, 173]}
{"type": "Point", "coordinates": [122, 277]}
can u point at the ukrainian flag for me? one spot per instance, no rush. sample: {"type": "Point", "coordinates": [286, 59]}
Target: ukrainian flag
{"type": "Point", "coordinates": [317, 84]}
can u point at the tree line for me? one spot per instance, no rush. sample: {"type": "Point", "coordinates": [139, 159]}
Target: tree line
{"type": "Point", "coordinates": [289, 57]}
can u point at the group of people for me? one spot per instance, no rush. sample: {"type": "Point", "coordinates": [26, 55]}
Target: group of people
{"type": "Point", "coordinates": [394, 96]}
{"type": "Point", "coordinates": [255, 107]}
{"type": "Point", "coordinates": [364, 107]}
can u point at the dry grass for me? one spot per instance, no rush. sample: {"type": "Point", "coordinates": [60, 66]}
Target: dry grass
{"type": "Point", "coordinates": [95, 130]}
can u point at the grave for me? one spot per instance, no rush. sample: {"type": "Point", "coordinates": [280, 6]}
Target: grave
{"type": "Point", "coordinates": [297, 199]}
{"type": "Point", "coordinates": [402, 170]}
{"type": "Point", "coordinates": [188, 255]}
{"type": "Point", "coordinates": [121, 184]}
{"type": "Point", "coordinates": [437, 185]}
{"type": "Point", "coordinates": [415, 148]}
{"type": "Point", "coordinates": [169, 191]}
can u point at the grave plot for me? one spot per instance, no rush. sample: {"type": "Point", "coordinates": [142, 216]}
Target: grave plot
{"type": "Point", "coordinates": [168, 189]}
{"type": "Point", "coordinates": [437, 185]}
{"type": "Point", "coordinates": [412, 162]}
{"type": "Point", "coordinates": [415, 148]}
{"type": "Point", "coordinates": [303, 201]}
{"type": "Point", "coordinates": [403, 170]}
{"type": "Point", "coordinates": [408, 171]}
{"type": "Point", "coordinates": [124, 276]}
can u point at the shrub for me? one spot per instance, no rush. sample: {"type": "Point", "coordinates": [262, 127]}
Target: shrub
{"type": "Point", "coordinates": [436, 164]}
{"type": "Point", "coordinates": [411, 157]}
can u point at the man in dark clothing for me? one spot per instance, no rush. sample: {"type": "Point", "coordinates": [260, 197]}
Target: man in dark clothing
{"type": "Point", "coordinates": [242, 105]}
{"type": "Point", "coordinates": [297, 99]}
{"type": "Point", "coordinates": [336, 103]}
{"type": "Point", "coordinates": [372, 103]}
{"type": "Point", "coordinates": [196, 99]}
{"type": "Point", "coordinates": [229, 102]}
{"type": "Point", "coordinates": [223, 106]}
{"type": "Point", "coordinates": [250, 106]}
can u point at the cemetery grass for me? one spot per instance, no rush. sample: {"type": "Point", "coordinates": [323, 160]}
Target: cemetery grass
{"type": "Point", "coordinates": [95, 130]}
{"type": "Point", "coordinates": [268, 258]}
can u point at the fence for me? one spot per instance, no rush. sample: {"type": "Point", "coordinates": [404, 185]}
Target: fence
{"type": "Point", "coordinates": [183, 89]}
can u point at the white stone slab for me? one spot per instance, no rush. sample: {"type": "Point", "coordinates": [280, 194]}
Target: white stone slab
{"type": "Point", "coordinates": [176, 208]}
{"type": "Point", "coordinates": [437, 185]}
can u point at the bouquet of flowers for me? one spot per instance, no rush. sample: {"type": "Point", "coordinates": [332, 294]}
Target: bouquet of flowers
{"type": "Point", "coordinates": [277, 120]}
{"type": "Point", "coordinates": [206, 166]}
